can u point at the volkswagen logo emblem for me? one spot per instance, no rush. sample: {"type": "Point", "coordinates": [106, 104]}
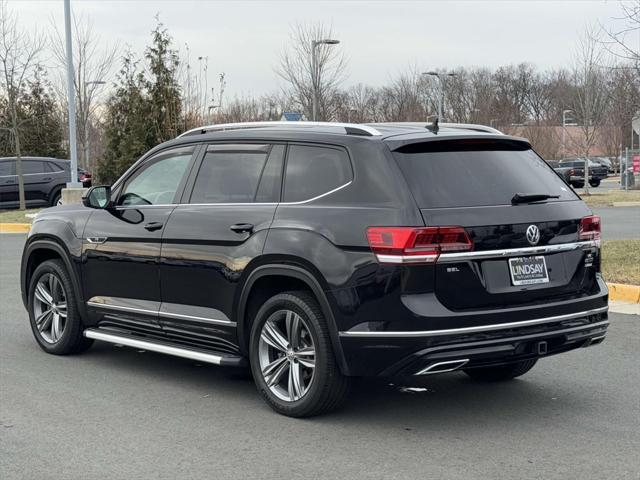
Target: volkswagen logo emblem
{"type": "Point", "coordinates": [533, 234]}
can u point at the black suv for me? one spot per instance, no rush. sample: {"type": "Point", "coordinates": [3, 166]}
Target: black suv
{"type": "Point", "coordinates": [318, 252]}
{"type": "Point", "coordinates": [44, 179]}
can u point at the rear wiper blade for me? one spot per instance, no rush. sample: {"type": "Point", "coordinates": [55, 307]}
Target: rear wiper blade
{"type": "Point", "coordinates": [531, 197]}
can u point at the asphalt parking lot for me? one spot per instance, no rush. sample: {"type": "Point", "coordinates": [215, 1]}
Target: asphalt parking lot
{"type": "Point", "coordinates": [619, 223]}
{"type": "Point", "coordinates": [120, 413]}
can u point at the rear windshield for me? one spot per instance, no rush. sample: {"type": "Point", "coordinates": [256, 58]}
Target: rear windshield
{"type": "Point", "coordinates": [476, 173]}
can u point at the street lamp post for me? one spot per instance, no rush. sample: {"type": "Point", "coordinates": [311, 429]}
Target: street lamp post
{"type": "Point", "coordinates": [440, 90]}
{"type": "Point", "coordinates": [564, 124]}
{"type": "Point", "coordinates": [73, 181]}
{"type": "Point", "coordinates": [315, 74]}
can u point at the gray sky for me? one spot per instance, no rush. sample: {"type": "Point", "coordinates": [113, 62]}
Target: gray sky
{"type": "Point", "coordinates": [380, 38]}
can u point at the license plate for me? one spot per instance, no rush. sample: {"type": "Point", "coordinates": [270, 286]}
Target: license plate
{"type": "Point", "coordinates": [528, 270]}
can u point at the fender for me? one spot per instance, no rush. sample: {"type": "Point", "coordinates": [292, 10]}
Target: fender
{"type": "Point", "coordinates": [63, 253]}
{"type": "Point", "coordinates": [313, 284]}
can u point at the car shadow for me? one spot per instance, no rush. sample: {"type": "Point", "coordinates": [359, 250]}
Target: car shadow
{"type": "Point", "coordinates": [439, 403]}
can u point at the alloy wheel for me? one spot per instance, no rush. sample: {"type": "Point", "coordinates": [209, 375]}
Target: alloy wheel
{"type": "Point", "coordinates": [50, 308]}
{"type": "Point", "coordinates": [287, 355]}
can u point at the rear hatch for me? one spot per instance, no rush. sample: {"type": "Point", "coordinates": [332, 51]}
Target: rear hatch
{"type": "Point", "coordinates": [526, 250]}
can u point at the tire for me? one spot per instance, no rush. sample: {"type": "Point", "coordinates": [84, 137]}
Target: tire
{"type": "Point", "coordinates": [322, 388]}
{"type": "Point", "coordinates": [594, 183]}
{"type": "Point", "coordinates": [54, 287]}
{"type": "Point", "coordinates": [56, 198]}
{"type": "Point", "coordinates": [500, 372]}
{"type": "Point", "coordinates": [577, 184]}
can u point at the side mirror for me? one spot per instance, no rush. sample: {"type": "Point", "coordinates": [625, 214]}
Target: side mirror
{"type": "Point", "coordinates": [97, 197]}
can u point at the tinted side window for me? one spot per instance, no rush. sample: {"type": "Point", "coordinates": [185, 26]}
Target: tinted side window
{"type": "Point", "coordinates": [313, 171]}
{"type": "Point", "coordinates": [271, 181]}
{"type": "Point", "coordinates": [157, 181]}
{"type": "Point", "coordinates": [53, 167]}
{"type": "Point", "coordinates": [7, 168]}
{"type": "Point", "coordinates": [229, 176]}
{"type": "Point", "coordinates": [33, 166]}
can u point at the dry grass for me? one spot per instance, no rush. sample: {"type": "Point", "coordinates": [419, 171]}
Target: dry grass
{"type": "Point", "coordinates": [621, 261]}
{"type": "Point", "coordinates": [17, 216]}
{"type": "Point", "coordinates": [606, 199]}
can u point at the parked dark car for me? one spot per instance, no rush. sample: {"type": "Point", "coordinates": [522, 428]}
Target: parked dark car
{"type": "Point", "coordinates": [571, 174]}
{"type": "Point", "coordinates": [315, 252]}
{"type": "Point", "coordinates": [44, 179]}
{"type": "Point", "coordinates": [576, 167]}
{"type": "Point", "coordinates": [606, 162]}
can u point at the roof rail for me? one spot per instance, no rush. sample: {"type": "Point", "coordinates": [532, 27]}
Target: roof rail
{"type": "Point", "coordinates": [465, 126]}
{"type": "Point", "coordinates": [350, 128]}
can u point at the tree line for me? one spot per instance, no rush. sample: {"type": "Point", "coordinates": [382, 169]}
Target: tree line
{"type": "Point", "coordinates": [154, 96]}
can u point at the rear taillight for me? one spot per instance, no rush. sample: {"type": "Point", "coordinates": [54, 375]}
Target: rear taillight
{"type": "Point", "coordinates": [416, 245]}
{"type": "Point", "coordinates": [590, 228]}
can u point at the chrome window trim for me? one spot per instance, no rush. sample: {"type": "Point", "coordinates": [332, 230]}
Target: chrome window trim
{"type": "Point", "coordinates": [302, 202]}
{"type": "Point", "coordinates": [144, 311]}
{"type": "Point", "coordinates": [515, 252]}
{"type": "Point", "coordinates": [480, 328]}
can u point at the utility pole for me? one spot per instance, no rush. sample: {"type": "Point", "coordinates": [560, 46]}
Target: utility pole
{"type": "Point", "coordinates": [315, 75]}
{"type": "Point", "coordinates": [440, 90]}
{"type": "Point", "coordinates": [73, 149]}
{"type": "Point", "coordinates": [564, 129]}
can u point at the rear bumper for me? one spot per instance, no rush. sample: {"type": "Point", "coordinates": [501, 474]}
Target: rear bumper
{"type": "Point", "coordinates": [495, 339]}
{"type": "Point", "coordinates": [500, 351]}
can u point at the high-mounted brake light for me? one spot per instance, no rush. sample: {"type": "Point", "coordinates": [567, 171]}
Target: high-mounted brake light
{"type": "Point", "coordinates": [590, 228]}
{"type": "Point", "coordinates": [416, 245]}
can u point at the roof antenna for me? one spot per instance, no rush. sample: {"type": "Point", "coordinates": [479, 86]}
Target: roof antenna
{"type": "Point", "coordinates": [434, 126]}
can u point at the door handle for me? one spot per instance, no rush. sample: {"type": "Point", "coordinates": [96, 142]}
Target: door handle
{"type": "Point", "coordinates": [242, 228]}
{"type": "Point", "coordinates": [47, 179]}
{"type": "Point", "coordinates": [153, 226]}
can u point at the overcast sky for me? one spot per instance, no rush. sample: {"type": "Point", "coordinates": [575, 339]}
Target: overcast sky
{"type": "Point", "coordinates": [380, 38]}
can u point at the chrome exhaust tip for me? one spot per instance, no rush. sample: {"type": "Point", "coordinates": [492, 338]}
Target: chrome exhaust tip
{"type": "Point", "coordinates": [594, 341]}
{"type": "Point", "coordinates": [443, 367]}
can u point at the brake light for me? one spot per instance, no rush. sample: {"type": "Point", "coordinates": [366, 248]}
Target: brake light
{"type": "Point", "coordinates": [590, 228]}
{"type": "Point", "coordinates": [416, 245]}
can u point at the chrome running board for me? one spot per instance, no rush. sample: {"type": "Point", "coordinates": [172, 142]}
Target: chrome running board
{"type": "Point", "coordinates": [158, 346]}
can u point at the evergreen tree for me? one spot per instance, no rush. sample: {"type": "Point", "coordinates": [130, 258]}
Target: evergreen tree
{"type": "Point", "coordinates": [40, 117]}
{"type": "Point", "coordinates": [144, 110]}
{"type": "Point", "coordinates": [163, 86]}
{"type": "Point", "coordinates": [44, 136]}
{"type": "Point", "coordinates": [128, 132]}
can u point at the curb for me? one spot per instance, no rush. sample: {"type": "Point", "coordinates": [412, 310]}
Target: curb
{"type": "Point", "coordinates": [624, 293]}
{"type": "Point", "coordinates": [626, 204]}
{"type": "Point", "coordinates": [14, 227]}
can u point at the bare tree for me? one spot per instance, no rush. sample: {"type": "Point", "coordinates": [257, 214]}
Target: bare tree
{"type": "Point", "coordinates": [623, 39]}
{"type": "Point", "coordinates": [93, 62]}
{"type": "Point", "coordinates": [297, 69]}
{"type": "Point", "coordinates": [19, 52]}
{"type": "Point", "coordinates": [590, 97]}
